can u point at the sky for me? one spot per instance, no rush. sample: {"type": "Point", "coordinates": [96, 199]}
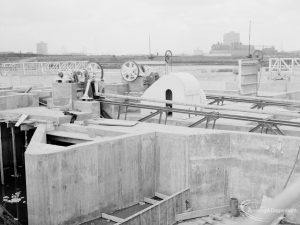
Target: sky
{"type": "Point", "coordinates": [124, 26]}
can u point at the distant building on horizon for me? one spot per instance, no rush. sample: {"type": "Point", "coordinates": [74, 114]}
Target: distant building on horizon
{"type": "Point", "coordinates": [42, 48]}
{"type": "Point", "coordinates": [231, 38]}
{"type": "Point", "coordinates": [198, 52]}
{"type": "Point", "coordinates": [231, 46]}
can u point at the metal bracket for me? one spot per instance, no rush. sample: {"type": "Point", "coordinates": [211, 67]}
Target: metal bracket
{"type": "Point", "coordinates": [267, 126]}
{"type": "Point", "coordinates": [73, 118]}
{"type": "Point", "coordinates": [210, 117]}
{"type": "Point", "coordinates": [259, 105]}
{"type": "Point", "coordinates": [218, 100]}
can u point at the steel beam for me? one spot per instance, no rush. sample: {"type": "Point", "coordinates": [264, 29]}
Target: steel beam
{"type": "Point", "coordinates": [217, 115]}
{"type": "Point", "coordinates": [149, 116]}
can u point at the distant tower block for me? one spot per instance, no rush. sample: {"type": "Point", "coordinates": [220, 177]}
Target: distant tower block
{"type": "Point", "coordinates": [178, 87]}
{"type": "Point", "coordinates": [231, 38]}
{"type": "Point", "coordinates": [42, 48]}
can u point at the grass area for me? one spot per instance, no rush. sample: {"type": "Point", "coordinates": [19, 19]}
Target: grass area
{"type": "Point", "coordinates": [114, 61]}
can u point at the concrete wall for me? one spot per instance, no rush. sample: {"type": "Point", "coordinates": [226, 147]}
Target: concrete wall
{"type": "Point", "coordinates": [218, 166]}
{"type": "Point", "coordinates": [279, 86]}
{"type": "Point", "coordinates": [16, 100]}
{"type": "Point", "coordinates": [199, 161]}
{"type": "Point", "coordinates": [292, 95]}
{"type": "Point", "coordinates": [171, 162]}
{"type": "Point", "coordinates": [71, 184]}
{"type": "Point", "coordinates": [120, 89]}
{"type": "Point", "coordinates": [79, 182]}
{"type": "Point", "coordinates": [261, 165]}
{"type": "Point", "coordinates": [32, 80]}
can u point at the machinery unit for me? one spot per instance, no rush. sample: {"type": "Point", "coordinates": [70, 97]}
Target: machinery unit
{"type": "Point", "coordinates": [90, 79]}
{"type": "Point", "coordinates": [141, 74]}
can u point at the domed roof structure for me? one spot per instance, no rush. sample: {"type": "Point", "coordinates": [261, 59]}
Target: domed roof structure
{"type": "Point", "coordinates": [176, 86]}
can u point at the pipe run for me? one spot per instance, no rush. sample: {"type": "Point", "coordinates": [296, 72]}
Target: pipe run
{"type": "Point", "coordinates": [203, 106]}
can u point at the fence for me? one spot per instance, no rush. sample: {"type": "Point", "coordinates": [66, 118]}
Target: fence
{"type": "Point", "coordinates": [40, 68]}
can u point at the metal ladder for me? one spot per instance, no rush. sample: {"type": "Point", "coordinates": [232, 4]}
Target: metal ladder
{"type": "Point", "coordinates": [6, 218]}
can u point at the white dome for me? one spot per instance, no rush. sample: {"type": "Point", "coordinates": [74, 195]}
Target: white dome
{"type": "Point", "coordinates": [184, 87]}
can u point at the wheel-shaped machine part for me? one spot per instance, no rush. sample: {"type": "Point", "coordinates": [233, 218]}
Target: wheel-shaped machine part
{"type": "Point", "coordinates": [257, 54]}
{"type": "Point", "coordinates": [94, 74]}
{"type": "Point", "coordinates": [168, 56]}
{"type": "Point", "coordinates": [95, 71]}
{"type": "Point", "coordinates": [130, 71]}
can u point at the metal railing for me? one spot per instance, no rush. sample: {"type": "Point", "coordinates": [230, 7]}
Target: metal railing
{"type": "Point", "coordinates": [40, 68]}
{"type": "Point", "coordinates": [283, 67]}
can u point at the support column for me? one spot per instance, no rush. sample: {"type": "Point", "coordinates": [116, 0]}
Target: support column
{"type": "Point", "coordinates": [13, 138]}
{"type": "Point", "coordinates": [1, 159]}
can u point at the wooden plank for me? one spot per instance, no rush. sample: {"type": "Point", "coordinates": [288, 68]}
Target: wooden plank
{"type": "Point", "coordinates": [150, 201]}
{"type": "Point", "coordinates": [109, 122]}
{"type": "Point", "coordinates": [162, 196]}
{"type": "Point", "coordinates": [112, 218]}
{"type": "Point", "coordinates": [201, 213]}
{"type": "Point", "coordinates": [21, 120]}
{"type": "Point", "coordinates": [163, 211]}
{"type": "Point", "coordinates": [25, 127]}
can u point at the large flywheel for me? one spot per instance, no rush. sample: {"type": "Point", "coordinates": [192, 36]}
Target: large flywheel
{"type": "Point", "coordinates": [130, 71]}
{"type": "Point", "coordinates": [95, 71]}
{"type": "Point", "coordinates": [257, 54]}
{"type": "Point", "coordinates": [168, 56]}
{"type": "Point", "coordinates": [95, 77]}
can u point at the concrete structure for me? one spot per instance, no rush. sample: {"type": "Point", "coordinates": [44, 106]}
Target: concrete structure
{"type": "Point", "coordinates": [231, 38]}
{"type": "Point", "coordinates": [63, 95]}
{"type": "Point", "coordinates": [125, 167]}
{"type": "Point", "coordinates": [12, 100]}
{"type": "Point", "coordinates": [248, 77]}
{"type": "Point", "coordinates": [97, 167]}
{"type": "Point", "coordinates": [42, 48]}
{"type": "Point", "coordinates": [180, 87]}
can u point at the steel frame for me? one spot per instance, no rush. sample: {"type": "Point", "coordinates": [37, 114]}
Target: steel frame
{"type": "Point", "coordinates": [257, 103]}
{"type": "Point", "coordinates": [269, 124]}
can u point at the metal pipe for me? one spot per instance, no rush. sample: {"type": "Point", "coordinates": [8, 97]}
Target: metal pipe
{"type": "Point", "coordinates": [205, 113]}
{"type": "Point", "coordinates": [266, 101]}
{"type": "Point", "coordinates": [203, 106]}
{"type": "Point", "coordinates": [126, 109]}
{"type": "Point", "coordinates": [13, 138]}
{"type": "Point", "coordinates": [119, 111]}
{"type": "Point", "coordinates": [160, 115]}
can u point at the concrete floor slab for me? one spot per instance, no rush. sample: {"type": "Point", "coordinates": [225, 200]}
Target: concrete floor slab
{"type": "Point", "coordinates": [43, 113]}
